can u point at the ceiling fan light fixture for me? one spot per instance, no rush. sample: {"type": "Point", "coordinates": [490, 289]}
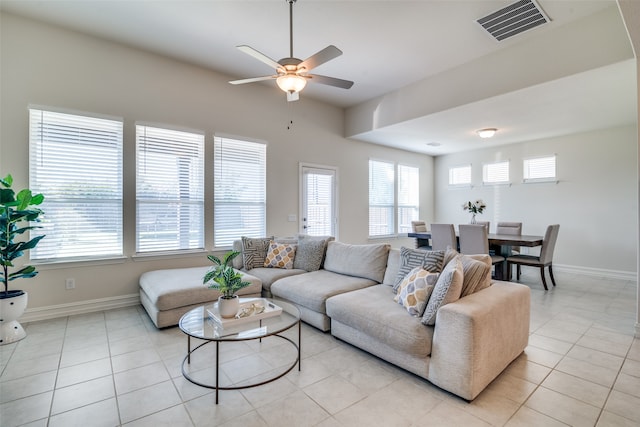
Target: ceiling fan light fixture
{"type": "Point", "coordinates": [486, 133]}
{"type": "Point", "coordinates": [291, 83]}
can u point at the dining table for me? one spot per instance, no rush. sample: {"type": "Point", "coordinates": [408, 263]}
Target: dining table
{"type": "Point", "coordinates": [501, 243]}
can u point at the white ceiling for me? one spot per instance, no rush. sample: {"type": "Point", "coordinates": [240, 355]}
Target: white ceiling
{"type": "Point", "coordinates": [387, 45]}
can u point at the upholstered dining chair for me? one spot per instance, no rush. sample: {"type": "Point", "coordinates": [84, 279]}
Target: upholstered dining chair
{"type": "Point", "coordinates": [513, 229]}
{"type": "Point", "coordinates": [418, 226]}
{"type": "Point", "coordinates": [443, 236]}
{"type": "Point", "coordinates": [546, 255]}
{"type": "Point", "coordinates": [486, 224]}
{"type": "Point", "coordinates": [474, 239]}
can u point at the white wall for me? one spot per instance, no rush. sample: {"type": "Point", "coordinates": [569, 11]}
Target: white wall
{"type": "Point", "coordinates": [595, 201]}
{"type": "Point", "coordinates": [49, 66]}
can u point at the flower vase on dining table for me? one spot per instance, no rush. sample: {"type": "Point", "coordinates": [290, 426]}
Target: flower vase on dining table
{"type": "Point", "coordinates": [473, 218]}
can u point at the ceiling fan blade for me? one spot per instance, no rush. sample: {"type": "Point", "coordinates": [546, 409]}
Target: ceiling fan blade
{"type": "Point", "coordinates": [293, 96]}
{"type": "Point", "coordinates": [251, 80]}
{"type": "Point", "coordinates": [319, 58]}
{"type": "Point", "coordinates": [331, 81]}
{"type": "Point", "coordinates": [259, 56]}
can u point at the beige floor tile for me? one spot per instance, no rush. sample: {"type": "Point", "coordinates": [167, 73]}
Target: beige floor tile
{"type": "Point", "coordinates": [134, 359]}
{"type": "Point", "coordinates": [514, 388]}
{"type": "Point", "coordinates": [334, 393]}
{"type": "Point", "coordinates": [634, 351]}
{"type": "Point", "coordinates": [369, 412]}
{"type": "Point", "coordinates": [563, 408]}
{"type": "Point", "coordinates": [77, 395]}
{"type": "Point", "coordinates": [138, 378]}
{"type": "Point", "coordinates": [631, 367]}
{"type": "Point", "coordinates": [146, 401]}
{"type": "Point", "coordinates": [608, 419]}
{"type": "Point", "coordinates": [84, 354]}
{"type": "Point", "coordinates": [204, 411]}
{"type": "Point", "coordinates": [542, 357]}
{"type": "Point", "coordinates": [491, 407]}
{"type": "Point", "coordinates": [589, 371]}
{"type": "Point", "coordinates": [312, 371]}
{"type": "Point", "coordinates": [19, 368]}
{"type": "Point", "coordinates": [252, 419]}
{"type": "Point", "coordinates": [532, 372]}
{"type": "Point", "coordinates": [176, 416]}
{"type": "Point", "coordinates": [606, 346]}
{"type": "Point", "coordinates": [83, 372]}
{"type": "Point", "coordinates": [628, 384]}
{"type": "Point", "coordinates": [624, 404]}
{"type": "Point", "coordinates": [583, 390]}
{"type": "Point", "coordinates": [25, 410]}
{"type": "Point", "coordinates": [447, 415]}
{"type": "Point", "coordinates": [27, 386]}
{"type": "Point", "coordinates": [99, 414]}
{"type": "Point", "coordinates": [267, 393]}
{"type": "Point", "coordinates": [527, 417]}
{"type": "Point", "coordinates": [294, 410]}
{"type": "Point", "coordinates": [596, 357]}
{"type": "Point", "coordinates": [550, 344]}
{"type": "Point", "coordinates": [370, 376]}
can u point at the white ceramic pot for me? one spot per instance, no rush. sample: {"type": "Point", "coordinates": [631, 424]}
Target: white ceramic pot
{"type": "Point", "coordinates": [11, 309]}
{"type": "Point", "coordinates": [228, 307]}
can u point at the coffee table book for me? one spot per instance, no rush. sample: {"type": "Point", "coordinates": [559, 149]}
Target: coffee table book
{"type": "Point", "coordinates": [270, 310]}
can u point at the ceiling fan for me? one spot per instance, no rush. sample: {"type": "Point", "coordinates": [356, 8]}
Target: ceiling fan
{"type": "Point", "coordinates": [292, 73]}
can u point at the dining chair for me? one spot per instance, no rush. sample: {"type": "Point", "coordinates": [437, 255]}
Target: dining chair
{"type": "Point", "coordinates": [544, 260]}
{"type": "Point", "coordinates": [513, 229]}
{"type": "Point", "coordinates": [443, 236]}
{"type": "Point", "coordinates": [474, 239]}
{"type": "Point", "coordinates": [421, 227]}
{"type": "Point", "coordinates": [486, 224]}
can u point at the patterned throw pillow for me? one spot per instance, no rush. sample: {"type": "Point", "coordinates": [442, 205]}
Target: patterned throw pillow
{"type": "Point", "coordinates": [415, 290]}
{"type": "Point", "coordinates": [475, 274]}
{"type": "Point", "coordinates": [254, 251]}
{"type": "Point", "coordinates": [310, 252]}
{"type": "Point", "coordinates": [280, 255]}
{"type": "Point", "coordinates": [412, 258]}
{"type": "Point", "coordinates": [447, 290]}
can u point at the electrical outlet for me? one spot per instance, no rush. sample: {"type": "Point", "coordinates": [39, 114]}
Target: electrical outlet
{"type": "Point", "coordinates": [70, 283]}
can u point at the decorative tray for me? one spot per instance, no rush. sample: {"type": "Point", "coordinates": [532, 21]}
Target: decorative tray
{"type": "Point", "coordinates": [251, 309]}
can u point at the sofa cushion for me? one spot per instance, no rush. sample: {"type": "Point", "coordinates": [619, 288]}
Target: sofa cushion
{"type": "Point", "coordinates": [393, 265]}
{"type": "Point", "coordinates": [280, 255]}
{"type": "Point", "coordinates": [415, 289]}
{"type": "Point", "coordinates": [447, 290]}
{"type": "Point", "coordinates": [269, 275]}
{"type": "Point", "coordinates": [366, 261]}
{"type": "Point", "coordinates": [311, 251]}
{"type": "Point", "coordinates": [412, 258]}
{"type": "Point", "coordinates": [373, 312]}
{"type": "Point", "coordinates": [178, 287]}
{"type": "Point", "coordinates": [312, 289]}
{"type": "Point", "coordinates": [254, 251]}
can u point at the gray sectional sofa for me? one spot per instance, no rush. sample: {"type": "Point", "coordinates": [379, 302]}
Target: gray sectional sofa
{"type": "Point", "coordinates": [472, 341]}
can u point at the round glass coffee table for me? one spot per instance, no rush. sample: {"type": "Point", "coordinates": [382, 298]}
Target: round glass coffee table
{"type": "Point", "coordinates": [197, 323]}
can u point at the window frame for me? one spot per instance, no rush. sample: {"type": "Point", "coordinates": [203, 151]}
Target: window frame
{"type": "Point", "coordinates": [550, 179]}
{"type": "Point", "coordinates": [485, 172]}
{"type": "Point", "coordinates": [461, 184]}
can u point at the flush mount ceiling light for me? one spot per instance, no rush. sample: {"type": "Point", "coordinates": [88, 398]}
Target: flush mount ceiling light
{"type": "Point", "coordinates": [486, 133]}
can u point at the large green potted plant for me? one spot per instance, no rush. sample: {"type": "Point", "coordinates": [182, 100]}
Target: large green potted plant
{"type": "Point", "coordinates": [17, 213]}
{"type": "Point", "coordinates": [223, 277]}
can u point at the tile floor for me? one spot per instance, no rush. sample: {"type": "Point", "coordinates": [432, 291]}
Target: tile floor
{"type": "Point", "coordinates": [582, 368]}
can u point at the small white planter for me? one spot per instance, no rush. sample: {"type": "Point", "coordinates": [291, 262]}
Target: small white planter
{"type": "Point", "coordinates": [10, 311]}
{"type": "Point", "coordinates": [228, 307]}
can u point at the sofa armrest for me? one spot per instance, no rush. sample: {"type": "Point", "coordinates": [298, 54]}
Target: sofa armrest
{"type": "Point", "coordinates": [476, 337]}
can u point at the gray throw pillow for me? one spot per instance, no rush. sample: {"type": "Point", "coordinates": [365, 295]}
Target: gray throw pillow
{"type": "Point", "coordinates": [477, 273]}
{"type": "Point", "coordinates": [310, 253]}
{"type": "Point", "coordinates": [254, 251]}
{"type": "Point", "coordinates": [447, 290]}
{"type": "Point", "coordinates": [412, 258]}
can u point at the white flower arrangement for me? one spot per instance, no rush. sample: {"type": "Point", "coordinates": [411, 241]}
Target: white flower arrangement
{"type": "Point", "coordinates": [476, 207]}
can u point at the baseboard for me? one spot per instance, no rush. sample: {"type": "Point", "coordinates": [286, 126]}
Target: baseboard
{"type": "Point", "coordinates": [596, 272]}
{"type": "Point", "coordinates": [81, 307]}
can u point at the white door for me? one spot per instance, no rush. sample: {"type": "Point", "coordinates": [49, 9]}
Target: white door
{"type": "Point", "coordinates": [318, 212]}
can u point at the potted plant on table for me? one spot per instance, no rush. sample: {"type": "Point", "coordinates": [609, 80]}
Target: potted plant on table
{"type": "Point", "coordinates": [16, 212]}
{"type": "Point", "coordinates": [475, 208]}
{"type": "Point", "coordinates": [223, 277]}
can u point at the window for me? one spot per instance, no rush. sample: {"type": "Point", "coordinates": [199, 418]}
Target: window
{"type": "Point", "coordinates": [539, 169]}
{"type": "Point", "coordinates": [408, 197]}
{"type": "Point", "coordinates": [169, 190]}
{"type": "Point", "coordinates": [495, 173]}
{"type": "Point", "coordinates": [385, 210]}
{"type": "Point", "coordinates": [76, 162]}
{"type": "Point", "coordinates": [460, 175]}
{"type": "Point", "coordinates": [239, 190]}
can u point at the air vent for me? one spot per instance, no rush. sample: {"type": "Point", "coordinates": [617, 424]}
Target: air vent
{"type": "Point", "coordinates": [514, 19]}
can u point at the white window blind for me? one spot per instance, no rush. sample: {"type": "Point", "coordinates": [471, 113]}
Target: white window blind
{"type": "Point", "coordinates": [381, 198]}
{"type": "Point", "coordinates": [495, 173]}
{"type": "Point", "coordinates": [169, 190]}
{"type": "Point", "coordinates": [539, 169]}
{"type": "Point", "coordinates": [408, 197]}
{"type": "Point", "coordinates": [76, 162]}
{"type": "Point", "coordinates": [460, 175]}
{"type": "Point", "coordinates": [319, 202]}
{"type": "Point", "coordinates": [240, 190]}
